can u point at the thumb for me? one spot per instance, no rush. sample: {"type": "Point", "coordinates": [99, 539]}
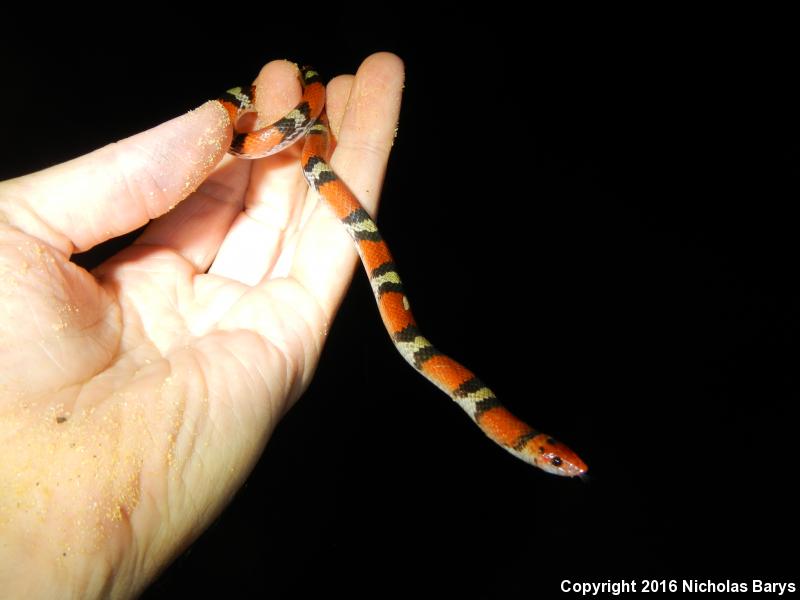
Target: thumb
{"type": "Point", "coordinates": [120, 187]}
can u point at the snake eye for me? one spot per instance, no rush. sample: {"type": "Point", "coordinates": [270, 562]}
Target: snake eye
{"type": "Point", "coordinates": [556, 461]}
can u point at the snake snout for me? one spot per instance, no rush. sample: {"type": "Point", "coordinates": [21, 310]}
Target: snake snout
{"type": "Point", "coordinates": [556, 458]}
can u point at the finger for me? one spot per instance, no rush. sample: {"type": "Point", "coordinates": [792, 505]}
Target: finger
{"type": "Point", "coordinates": [325, 254]}
{"type": "Point", "coordinates": [336, 101]}
{"type": "Point", "coordinates": [209, 225]}
{"type": "Point", "coordinates": [274, 200]}
{"type": "Point", "coordinates": [116, 189]}
{"type": "Point", "coordinates": [337, 94]}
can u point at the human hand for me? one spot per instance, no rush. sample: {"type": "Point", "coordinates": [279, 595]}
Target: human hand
{"type": "Point", "coordinates": [135, 400]}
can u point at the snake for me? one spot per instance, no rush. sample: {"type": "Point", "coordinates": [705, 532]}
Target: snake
{"type": "Point", "coordinates": [308, 121]}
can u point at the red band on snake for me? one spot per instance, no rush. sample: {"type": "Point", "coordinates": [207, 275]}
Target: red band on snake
{"type": "Point", "coordinates": [307, 120]}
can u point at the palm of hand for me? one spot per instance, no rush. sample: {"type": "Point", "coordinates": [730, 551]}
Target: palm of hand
{"type": "Point", "coordinates": [136, 399]}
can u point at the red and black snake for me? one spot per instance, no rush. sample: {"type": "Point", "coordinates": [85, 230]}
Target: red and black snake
{"type": "Point", "coordinates": [308, 120]}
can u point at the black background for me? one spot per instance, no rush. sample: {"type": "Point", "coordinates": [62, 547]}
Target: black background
{"type": "Point", "coordinates": [597, 216]}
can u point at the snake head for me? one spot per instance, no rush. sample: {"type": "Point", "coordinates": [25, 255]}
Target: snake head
{"type": "Point", "coordinates": [552, 456]}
